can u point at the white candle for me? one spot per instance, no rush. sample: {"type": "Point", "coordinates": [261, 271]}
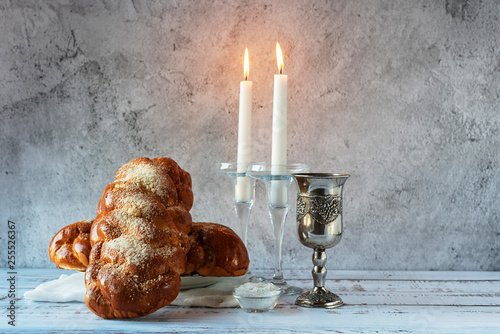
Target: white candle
{"type": "Point", "coordinates": [243, 189]}
{"type": "Point", "coordinates": [279, 193]}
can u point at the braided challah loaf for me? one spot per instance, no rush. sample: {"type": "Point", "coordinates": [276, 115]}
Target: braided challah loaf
{"type": "Point", "coordinates": [143, 239]}
{"type": "Point", "coordinates": [70, 247]}
{"type": "Point", "coordinates": [139, 242]}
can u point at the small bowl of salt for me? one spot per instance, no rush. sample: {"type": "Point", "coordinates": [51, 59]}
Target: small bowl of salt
{"type": "Point", "coordinates": [257, 296]}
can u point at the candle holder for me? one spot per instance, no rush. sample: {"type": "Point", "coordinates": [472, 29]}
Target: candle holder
{"type": "Point", "coordinates": [319, 226]}
{"type": "Point", "coordinates": [244, 194]}
{"type": "Point", "coordinates": [278, 206]}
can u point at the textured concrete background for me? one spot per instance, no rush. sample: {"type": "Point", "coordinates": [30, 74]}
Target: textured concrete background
{"type": "Point", "coordinates": [403, 95]}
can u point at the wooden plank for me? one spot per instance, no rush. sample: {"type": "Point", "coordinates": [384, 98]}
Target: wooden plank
{"type": "Point", "coordinates": [394, 275]}
{"type": "Point", "coordinates": [362, 292]}
{"type": "Point", "coordinates": [37, 276]}
{"type": "Point", "coordinates": [334, 274]}
{"type": "Point", "coordinates": [376, 302]}
{"type": "Point", "coordinates": [286, 318]}
{"type": "Point", "coordinates": [389, 292]}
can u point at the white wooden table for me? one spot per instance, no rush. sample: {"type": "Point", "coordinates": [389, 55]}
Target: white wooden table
{"type": "Point", "coordinates": [375, 302]}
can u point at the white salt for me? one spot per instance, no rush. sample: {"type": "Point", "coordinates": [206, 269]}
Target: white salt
{"type": "Point", "coordinates": [257, 289]}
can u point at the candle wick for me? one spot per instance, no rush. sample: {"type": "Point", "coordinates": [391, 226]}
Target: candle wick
{"type": "Point", "coordinates": [246, 77]}
{"type": "Point", "coordinates": [281, 70]}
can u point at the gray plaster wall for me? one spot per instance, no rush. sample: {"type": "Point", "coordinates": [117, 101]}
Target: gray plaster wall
{"type": "Point", "coordinates": [402, 95]}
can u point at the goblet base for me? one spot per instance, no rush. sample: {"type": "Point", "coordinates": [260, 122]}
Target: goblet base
{"type": "Point", "coordinates": [288, 289]}
{"type": "Point", "coordinates": [319, 298]}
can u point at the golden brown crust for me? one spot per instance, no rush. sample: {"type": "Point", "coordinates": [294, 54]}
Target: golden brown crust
{"type": "Point", "coordinates": [129, 301]}
{"type": "Point", "coordinates": [70, 247]}
{"type": "Point", "coordinates": [223, 252]}
{"type": "Point", "coordinates": [139, 243]}
{"type": "Point", "coordinates": [181, 179]}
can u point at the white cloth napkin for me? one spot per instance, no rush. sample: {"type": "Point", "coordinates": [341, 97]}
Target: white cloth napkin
{"type": "Point", "coordinates": [219, 294]}
{"type": "Point", "coordinates": [64, 289]}
{"type": "Point", "coordinates": [72, 289]}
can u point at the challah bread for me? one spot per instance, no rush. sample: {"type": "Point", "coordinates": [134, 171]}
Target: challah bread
{"type": "Point", "coordinates": [215, 250]}
{"type": "Point", "coordinates": [222, 251]}
{"type": "Point", "coordinates": [143, 239]}
{"type": "Point", "coordinates": [70, 247]}
{"type": "Point", "coordinates": [139, 243]}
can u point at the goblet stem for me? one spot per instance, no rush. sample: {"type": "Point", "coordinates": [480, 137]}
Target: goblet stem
{"type": "Point", "coordinates": [243, 210]}
{"type": "Point", "coordinates": [244, 194]}
{"type": "Point", "coordinates": [319, 296]}
{"type": "Point", "coordinates": [278, 206]}
{"type": "Point", "coordinates": [278, 216]}
{"type": "Point", "coordinates": [319, 269]}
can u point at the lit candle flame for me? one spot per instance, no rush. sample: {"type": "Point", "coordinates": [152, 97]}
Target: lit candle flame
{"type": "Point", "coordinates": [279, 58]}
{"type": "Point", "coordinates": [247, 66]}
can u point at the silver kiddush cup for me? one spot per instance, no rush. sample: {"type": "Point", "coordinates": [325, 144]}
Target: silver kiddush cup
{"type": "Point", "coordinates": [319, 226]}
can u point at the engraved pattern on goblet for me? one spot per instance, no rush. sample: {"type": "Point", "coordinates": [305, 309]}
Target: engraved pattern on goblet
{"type": "Point", "coordinates": [323, 209]}
{"type": "Point", "coordinates": [301, 207]}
